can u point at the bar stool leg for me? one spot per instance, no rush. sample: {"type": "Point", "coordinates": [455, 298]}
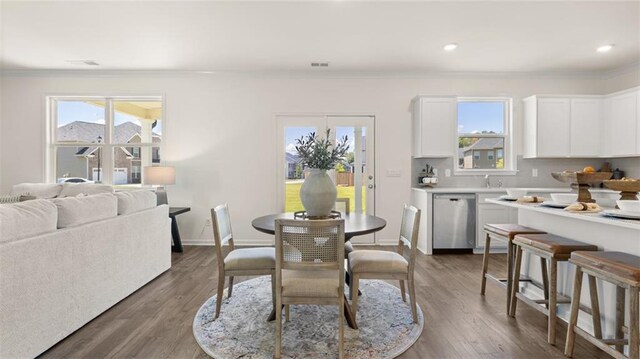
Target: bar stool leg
{"type": "Point", "coordinates": [634, 330]}
{"type": "Point", "coordinates": [509, 273]}
{"type": "Point", "coordinates": [595, 308]}
{"type": "Point", "coordinates": [545, 280]}
{"type": "Point", "coordinates": [573, 317]}
{"type": "Point", "coordinates": [485, 262]}
{"type": "Point", "coordinates": [515, 288]}
{"type": "Point", "coordinates": [553, 297]}
{"type": "Point", "coordinates": [620, 299]}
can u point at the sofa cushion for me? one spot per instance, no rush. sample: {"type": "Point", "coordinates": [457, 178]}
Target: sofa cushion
{"type": "Point", "coordinates": [74, 211]}
{"type": "Point", "coordinates": [134, 201]}
{"type": "Point", "coordinates": [40, 190]}
{"type": "Point", "coordinates": [74, 189]}
{"type": "Point", "coordinates": [27, 219]}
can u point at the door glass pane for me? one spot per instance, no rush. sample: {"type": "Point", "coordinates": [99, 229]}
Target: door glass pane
{"type": "Point", "coordinates": [293, 172]}
{"type": "Point", "coordinates": [351, 178]}
{"type": "Point", "coordinates": [137, 122]}
{"type": "Point", "coordinates": [80, 121]}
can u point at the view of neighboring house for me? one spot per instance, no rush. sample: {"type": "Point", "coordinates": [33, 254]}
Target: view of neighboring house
{"type": "Point", "coordinates": [85, 161]}
{"type": "Point", "coordinates": [484, 153]}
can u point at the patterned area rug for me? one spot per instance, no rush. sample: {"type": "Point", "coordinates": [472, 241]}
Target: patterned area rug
{"type": "Point", "coordinates": [385, 330]}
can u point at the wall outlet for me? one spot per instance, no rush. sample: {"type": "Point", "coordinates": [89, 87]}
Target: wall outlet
{"type": "Point", "coordinates": [447, 172]}
{"type": "Point", "coordinates": [435, 172]}
{"type": "Point", "coordinates": [534, 172]}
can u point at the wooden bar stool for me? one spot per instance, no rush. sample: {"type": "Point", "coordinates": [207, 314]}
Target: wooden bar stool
{"type": "Point", "coordinates": [623, 270]}
{"type": "Point", "coordinates": [502, 232]}
{"type": "Point", "coordinates": [554, 249]}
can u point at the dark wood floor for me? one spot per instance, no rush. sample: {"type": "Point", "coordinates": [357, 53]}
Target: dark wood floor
{"type": "Point", "coordinates": [155, 322]}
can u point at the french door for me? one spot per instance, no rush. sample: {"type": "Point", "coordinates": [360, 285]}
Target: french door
{"type": "Point", "coordinates": [354, 179]}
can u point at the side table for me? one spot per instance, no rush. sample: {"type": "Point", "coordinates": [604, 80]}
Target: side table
{"type": "Point", "coordinates": [175, 234]}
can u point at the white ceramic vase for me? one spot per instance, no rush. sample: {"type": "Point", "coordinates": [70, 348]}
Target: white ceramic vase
{"type": "Point", "coordinates": [318, 193]}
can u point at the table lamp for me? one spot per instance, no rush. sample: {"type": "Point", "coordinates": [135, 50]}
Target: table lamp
{"type": "Point", "coordinates": [160, 176]}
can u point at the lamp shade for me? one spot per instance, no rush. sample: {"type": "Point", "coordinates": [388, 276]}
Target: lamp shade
{"type": "Point", "coordinates": [159, 175]}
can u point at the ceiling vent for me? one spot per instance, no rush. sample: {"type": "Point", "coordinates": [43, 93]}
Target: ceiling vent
{"type": "Point", "coordinates": [83, 62]}
{"type": "Point", "coordinates": [319, 64]}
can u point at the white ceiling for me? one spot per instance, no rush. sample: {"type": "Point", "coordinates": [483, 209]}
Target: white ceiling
{"type": "Point", "coordinates": [353, 36]}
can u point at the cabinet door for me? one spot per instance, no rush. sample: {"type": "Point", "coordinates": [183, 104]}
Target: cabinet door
{"type": "Point", "coordinates": [623, 124]}
{"type": "Point", "coordinates": [553, 132]}
{"type": "Point", "coordinates": [586, 116]}
{"type": "Point", "coordinates": [492, 213]}
{"type": "Point", "coordinates": [437, 127]}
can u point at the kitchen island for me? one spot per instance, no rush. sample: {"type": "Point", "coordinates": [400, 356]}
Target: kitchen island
{"type": "Point", "coordinates": [609, 234]}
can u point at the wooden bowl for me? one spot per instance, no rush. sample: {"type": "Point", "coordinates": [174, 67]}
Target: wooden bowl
{"type": "Point", "coordinates": [582, 177]}
{"type": "Point", "coordinates": [623, 186]}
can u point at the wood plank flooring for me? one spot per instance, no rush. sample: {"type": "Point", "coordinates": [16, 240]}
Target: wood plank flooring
{"type": "Point", "coordinates": [155, 321]}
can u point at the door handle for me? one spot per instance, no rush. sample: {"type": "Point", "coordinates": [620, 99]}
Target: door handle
{"type": "Point", "coordinates": [370, 177]}
{"type": "Point", "coordinates": [370, 186]}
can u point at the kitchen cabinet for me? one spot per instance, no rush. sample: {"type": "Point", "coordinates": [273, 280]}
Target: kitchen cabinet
{"type": "Point", "coordinates": [434, 126]}
{"type": "Point", "coordinates": [492, 213]}
{"type": "Point", "coordinates": [621, 123]}
{"type": "Point", "coordinates": [562, 126]}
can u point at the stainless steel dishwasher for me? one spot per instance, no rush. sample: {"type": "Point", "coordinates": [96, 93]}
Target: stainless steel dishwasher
{"type": "Point", "coordinates": [454, 222]}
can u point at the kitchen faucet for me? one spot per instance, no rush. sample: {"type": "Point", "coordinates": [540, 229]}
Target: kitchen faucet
{"type": "Point", "coordinates": [487, 182]}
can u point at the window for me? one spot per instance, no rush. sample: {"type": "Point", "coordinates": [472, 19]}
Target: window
{"type": "Point", "coordinates": [484, 136]}
{"type": "Point", "coordinates": [102, 139]}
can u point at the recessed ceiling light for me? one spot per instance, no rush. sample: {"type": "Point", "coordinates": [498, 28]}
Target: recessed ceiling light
{"type": "Point", "coordinates": [605, 48]}
{"type": "Point", "coordinates": [206, 72]}
{"type": "Point", "coordinates": [83, 62]}
{"type": "Point", "coordinates": [450, 47]}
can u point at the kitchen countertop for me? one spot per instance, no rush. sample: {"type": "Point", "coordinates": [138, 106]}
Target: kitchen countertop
{"type": "Point", "coordinates": [502, 190]}
{"type": "Point", "coordinates": [590, 217]}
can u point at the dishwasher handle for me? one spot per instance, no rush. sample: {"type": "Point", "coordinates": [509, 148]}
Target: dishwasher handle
{"type": "Point", "coordinates": [455, 196]}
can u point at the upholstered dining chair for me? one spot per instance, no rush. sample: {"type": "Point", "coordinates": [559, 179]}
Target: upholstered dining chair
{"type": "Point", "coordinates": [238, 262]}
{"type": "Point", "coordinates": [309, 268]}
{"type": "Point", "coordinates": [378, 264]}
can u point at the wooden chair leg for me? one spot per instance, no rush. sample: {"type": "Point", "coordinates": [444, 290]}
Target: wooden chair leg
{"type": "Point", "coordinates": [515, 288]}
{"type": "Point", "coordinates": [485, 262]}
{"type": "Point", "coordinates": [573, 317]}
{"type": "Point", "coordinates": [620, 303]}
{"type": "Point", "coordinates": [404, 296]}
{"type": "Point", "coordinates": [354, 294]}
{"type": "Point", "coordinates": [545, 280]}
{"type": "Point", "coordinates": [634, 322]}
{"type": "Point", "coordinates": [273, 291]}
{"type": "Point", "coordinates": [230, 286]}
{"type": "Point", "coordinates": [595, 307]}
{"type": "Point", "coordinates": [412, 298]}
{"type": "Point", "coordinates": [219, 294]}
{"type": "Point", "coordinates": [553, 299]}
{"type": "Point", "coordinates": [278, 348]}
{"type": "Point", "coordinates": [341, 326]}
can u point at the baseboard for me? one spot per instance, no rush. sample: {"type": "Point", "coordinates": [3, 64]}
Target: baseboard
{"type": "Point", "coordinates": [210, 242]}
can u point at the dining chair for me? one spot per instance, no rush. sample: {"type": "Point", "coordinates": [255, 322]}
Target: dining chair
{"type": "Point", "coordinates": [238, 262]}
{"type": "Point", "coordinates": [343, 205]}
{"type": "Point", "coordinates": [309, 268]}
{"type": "Point", "coordinates": [379, 264]}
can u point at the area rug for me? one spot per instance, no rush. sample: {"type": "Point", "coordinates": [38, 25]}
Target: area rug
{"type": "Point", "coordinates": [386, 329]}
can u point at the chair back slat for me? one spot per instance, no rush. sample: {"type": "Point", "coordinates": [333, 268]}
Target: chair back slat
{"type": "Point", "coordinates": [408, 242]}
{"type": "Point", "coordinates": [222, 233]}
{"type": "Point", "coordinates": [310, 244]}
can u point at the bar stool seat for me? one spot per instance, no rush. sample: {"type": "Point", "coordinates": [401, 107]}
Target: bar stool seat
{"type": "Point", "coordinates": [504, 232]}
{"type": "Point", "coordinates": [554, 249]}
{"type": "Point", "coordinates": [622, 270]}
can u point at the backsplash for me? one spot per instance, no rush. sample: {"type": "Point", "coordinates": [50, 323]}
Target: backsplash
{"type": "Point", "coordinates": [524, 178]}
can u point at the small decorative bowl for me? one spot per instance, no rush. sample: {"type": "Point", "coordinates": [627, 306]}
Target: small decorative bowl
{"type": "Point", "coordinates": [629, 205]}
{"type": "Point", "coordinates": [564, 198]}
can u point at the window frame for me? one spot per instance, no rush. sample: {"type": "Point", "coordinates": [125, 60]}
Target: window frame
{"type": "Point", "coordinates": [508, 149]}
{"type": "Point", "coordinates": [107, 146]}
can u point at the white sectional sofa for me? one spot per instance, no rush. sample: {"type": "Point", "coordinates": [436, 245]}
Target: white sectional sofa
{"type": "Point", "coordinates": [64, 261]}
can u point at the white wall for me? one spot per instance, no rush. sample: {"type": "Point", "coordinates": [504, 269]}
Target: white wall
{"type": "Point", "coordinates": [220, 130]}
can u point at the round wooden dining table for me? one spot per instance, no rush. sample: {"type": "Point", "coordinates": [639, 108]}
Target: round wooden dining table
{"type": "Point", "coordinates": [355, 224]}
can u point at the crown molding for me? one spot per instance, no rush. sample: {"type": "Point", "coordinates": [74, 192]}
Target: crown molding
{"type": "Point", "coordinates": [633, 67]}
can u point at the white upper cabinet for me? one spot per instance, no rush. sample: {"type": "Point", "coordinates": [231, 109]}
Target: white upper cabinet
{"type": "Point", "coordinates": [586, 115]}
{"type": "Point", "coordinates": [554, 127]}
{"type": "Point", "coordinates": [434, 126]}
{"type": "Point", "coordinates": [621, 122]}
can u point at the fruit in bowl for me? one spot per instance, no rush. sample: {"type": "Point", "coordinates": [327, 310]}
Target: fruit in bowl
{"type": "Point", "coordinates": [629, 205]}
{"type": "Point", "coordinates": [516, 192]}
{"type": "Point", "coordinates": [564, 198]}
{"type": "Point", "coordinates": [588, 169]}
